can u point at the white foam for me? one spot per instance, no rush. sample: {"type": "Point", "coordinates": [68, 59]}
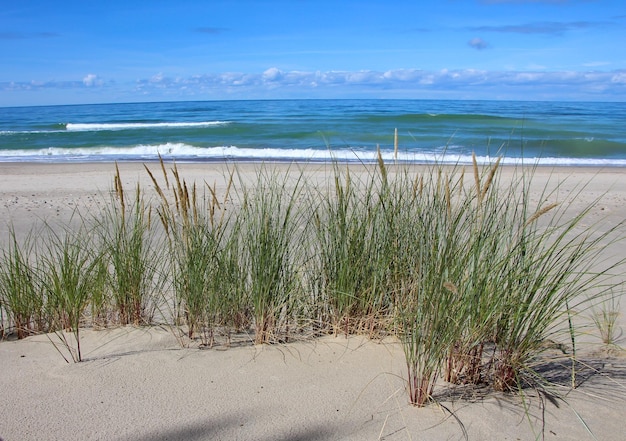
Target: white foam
{"type": "Point", "coordinates": [28, 132]}
{"type": "Point", "coordinates": [85, 127]}
{"type": "Point", "coordinates": [186, 152]}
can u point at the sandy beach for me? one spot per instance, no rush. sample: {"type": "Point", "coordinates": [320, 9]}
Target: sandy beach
{"type": "Point", "coordinates": [139, 384]}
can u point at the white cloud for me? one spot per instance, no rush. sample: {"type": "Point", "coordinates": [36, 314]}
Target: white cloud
{"type": "Point", "coordinates": [402, 75]}
{"type": "Point", "coordinates": [409, 83]}
{"type": "Point", "coordinates": [364, 77]}
{"type": "Point", "coordinates": [92, 80]}
{"type": "Point", "coordinates": [467, 83]}
{"type": "Point", "coordinates": [272, 74]}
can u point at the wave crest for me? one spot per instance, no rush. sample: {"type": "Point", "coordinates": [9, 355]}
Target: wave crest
{"type": "Point", "coordinates": [185, 152]}
{"type": "Point", "coordinates": [92, 127]}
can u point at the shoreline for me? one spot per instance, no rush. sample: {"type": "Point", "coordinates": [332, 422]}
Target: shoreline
{"type": "Point", "coordinates": [87, 181]}
{"type": "Point", "coordinates": [313, 162]}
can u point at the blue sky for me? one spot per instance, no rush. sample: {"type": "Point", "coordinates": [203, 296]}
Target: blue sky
{"type": "Point", "coordinates": [125, 51]}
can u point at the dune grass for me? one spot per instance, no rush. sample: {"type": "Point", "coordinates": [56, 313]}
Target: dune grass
{"type": "Point", "coordinates": [203, 244]}
{"type": "Point", "coordinates": [471, 272]}
{"type": "Point", "coordinates": [71, 271]}
{"type": "Point", "coordinates": [19, 290]}
{"type": "Point", "coordinates": [268, 223]}
{"type": "Point", "coordinates": [604, 316]}
{"type": "Point", "coordinates": [346, 224]}
{"type": "Point", "coordinates": [133, 253]}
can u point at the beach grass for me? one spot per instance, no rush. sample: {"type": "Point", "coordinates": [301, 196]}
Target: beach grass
{"type": "Point", "coordinates": [604, 316]}
{"type": "Point", "coordinates": [71, 271]}
{"type": "Point", "coordinates": [202, 240]}
{"type": "Point", "coordinates": [346, 222]}
{"type": "Point", "coordinates": [19, 288]}
{"type": "Point", "coordinates": [472, 273]}
{"type": "Point", "coordinates": [133, 253]}
{"type": "Point", "coordinates": [268, 222]}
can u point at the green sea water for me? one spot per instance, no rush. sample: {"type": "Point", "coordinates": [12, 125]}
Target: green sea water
{"type": "Point", "coordinates": [556, 133]}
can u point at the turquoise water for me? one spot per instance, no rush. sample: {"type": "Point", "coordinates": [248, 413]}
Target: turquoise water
{"type": "Point", "coordinates": [556, 133]}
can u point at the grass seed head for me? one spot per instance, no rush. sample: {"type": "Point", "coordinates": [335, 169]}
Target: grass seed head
{"type": "Point", "coordinates": [540, 213]}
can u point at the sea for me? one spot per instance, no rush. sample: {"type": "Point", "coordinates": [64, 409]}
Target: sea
{"type": "Point", "coordinates": [410, 131]}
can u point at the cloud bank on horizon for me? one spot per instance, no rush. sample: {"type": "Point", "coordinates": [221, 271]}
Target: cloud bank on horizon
{"type": "Point", "coordinates": [192, 50]}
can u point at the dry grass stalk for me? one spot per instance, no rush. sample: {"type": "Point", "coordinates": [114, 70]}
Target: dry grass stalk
{"type": "Point", "coordinates": [461, 178]}
{"type": "Point", "coordinates": [448, 197]}
{"type": "Point", "coordinates": [540, 213]}
{"type": "Point", "coordinates": [157, 187]}
{"type": "Point", "coordinates": [438, 187]}
{"type": "Point", "coordinates": [476, 178]}
{"type": "Point", "coordinates": [416, 187]}
{"type": "Point", "coordinates": [119, 189]}
{"type": "Point", "coordinates": [167, 182]}
{"type": "Point", "coordinates": [178, 193]}
{"type": "Point", "coordinates": [451, 287]}
{"type": "Point", "coordinates": [187, 199]}
{"type": "Point", "coordinates": [341, 191]}
{"type": "Point", "coordinates": [164, 202]}
{"type": "Point", "coordinates": [395, 145]}
{"type": "Point", "coordinates": [381, 166]}
{"type": "Point", "coordinates": [228, 187]}
{"type": "Point", "coordinates": [492, 173]}
{"type": "Point", "coordinates": [214, 201]}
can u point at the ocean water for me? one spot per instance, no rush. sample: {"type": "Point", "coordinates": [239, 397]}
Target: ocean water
{"type": "Point", "coordinates": [550, 133]}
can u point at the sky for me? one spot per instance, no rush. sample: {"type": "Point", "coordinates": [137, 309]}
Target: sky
{"type": "Point", "coordinates": [74, 52]}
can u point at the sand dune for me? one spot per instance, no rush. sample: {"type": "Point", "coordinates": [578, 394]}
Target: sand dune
{"type": "Point", "coordinates": [139, 384]}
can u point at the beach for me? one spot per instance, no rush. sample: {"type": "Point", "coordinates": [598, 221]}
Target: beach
{"type": "Point", "coordinates": [137, 383]}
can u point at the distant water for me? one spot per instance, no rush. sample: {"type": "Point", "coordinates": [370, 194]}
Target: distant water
{"type": "Point", "coordinates": [556, 133]}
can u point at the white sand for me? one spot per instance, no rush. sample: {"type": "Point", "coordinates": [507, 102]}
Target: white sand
{"type": "Point", "coordinates": [138, 384]}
